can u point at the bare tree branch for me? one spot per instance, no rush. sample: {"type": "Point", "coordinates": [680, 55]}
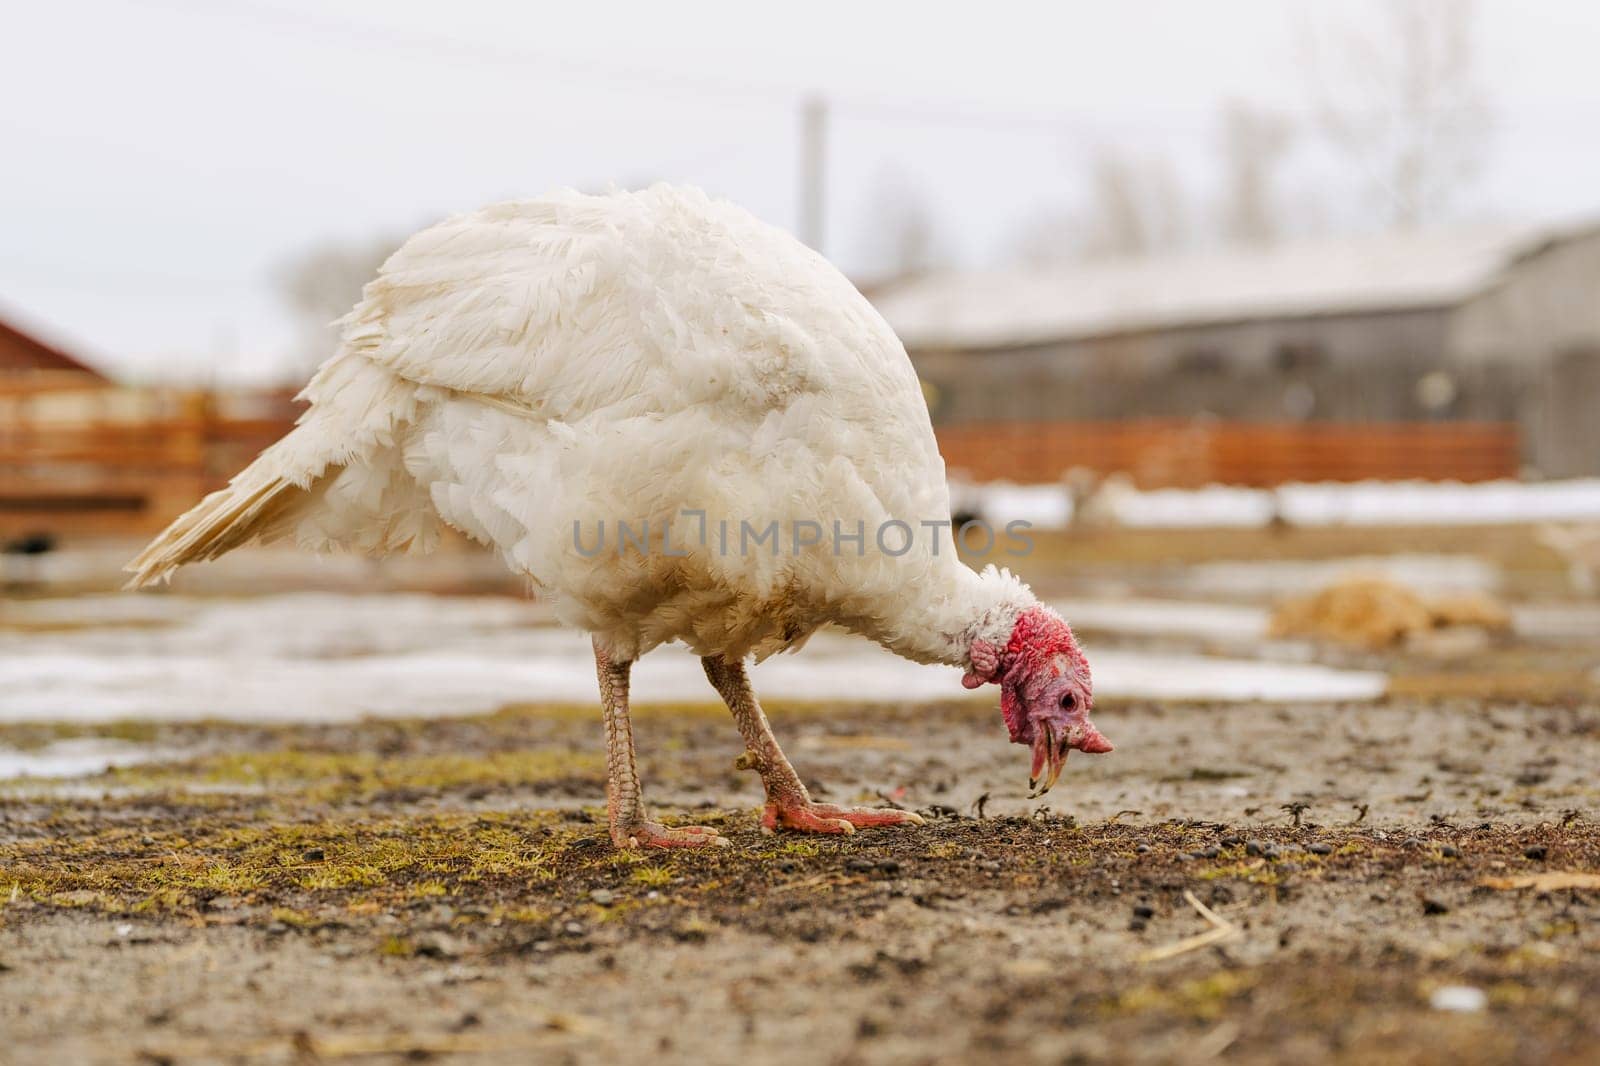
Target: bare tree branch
{"type": "Point", "coordinates": [1137, 206]}
{"type": "Point", "coordinates": [324, 282]}
{"type": "Point", "coordinates": [1401, 97]}
{"type": "Point", "coordinates": [1254, 142]}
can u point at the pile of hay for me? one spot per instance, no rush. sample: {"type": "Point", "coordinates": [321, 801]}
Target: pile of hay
{"type": "Point", "coordinates": [1378, 612]}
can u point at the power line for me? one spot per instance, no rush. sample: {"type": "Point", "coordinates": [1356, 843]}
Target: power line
{"type": "Point", "coordinates": [455, 48]}
{"type": "Point", "coordinates": [919, 112]}
{"type": "Point", "coordinates": [869, 109]}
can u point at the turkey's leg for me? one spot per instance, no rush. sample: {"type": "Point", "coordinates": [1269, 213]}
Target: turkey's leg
{"type": "Point", "coordinates": [624, 804]}
{"type": "Point", "coordinates": [788, 803]}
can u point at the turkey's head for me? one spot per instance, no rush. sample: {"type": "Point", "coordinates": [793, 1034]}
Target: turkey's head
{"type": "Point", "coordinates": [1045, 692]}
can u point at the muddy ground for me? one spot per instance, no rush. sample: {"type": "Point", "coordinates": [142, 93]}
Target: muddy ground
{"type": "Point", "coordinates": [445, 890]}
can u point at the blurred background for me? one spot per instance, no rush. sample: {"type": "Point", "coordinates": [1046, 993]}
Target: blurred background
{"type": "Point", "coordinates": [1194, 288]}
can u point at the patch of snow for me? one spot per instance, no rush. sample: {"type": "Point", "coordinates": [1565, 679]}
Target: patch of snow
{"type": "Point", "coordinates": [1169, 618]}
{"type": "Point", "coordinates": [321, 657]}
{"type": "Point", "coordinates": [73, 758]}
{"type": "Point", "coordinates": [1194, 677]}
{"type": "Point", "coordinates": [1043, 506]}
{"type": "Point", "coordinates": [1366, 503]}
{"type": "Point", "coordinates": [1563, 622]}
{"type": "Point", "coordinates": [1212, 506]}
{"type": "Point", "coordinates": [1274, 579]}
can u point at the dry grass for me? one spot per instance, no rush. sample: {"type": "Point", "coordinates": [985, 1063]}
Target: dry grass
{"type": "Point", "coordinates": [1378, 612]}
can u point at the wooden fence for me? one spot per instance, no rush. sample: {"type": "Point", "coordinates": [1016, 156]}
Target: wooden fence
{"type": "Point", "coordinates": [122, 461]}
{"type": "Point", "coordinates": [126, 461]}
{"type": "Point", "coordinates": [1159, 453]}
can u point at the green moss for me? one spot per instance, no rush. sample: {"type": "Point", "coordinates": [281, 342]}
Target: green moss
{"type": "Point", "coordinates": [1256, 872]}
{"type": "Point", "coordinates": [397, 947]}
{"type": "Point", "coordinates": [1203, 998]}
{"type": "Point", "coordinates": [335, 776]}
{"type": "Point", "coordinates": [427, 890]}
{"type": "Point", "coordinates": [334, 878]}
{"type": "Point", "coordinates": [386, 860]}
{"type": "Point", "coordinates": [299, 919]}
{"type": "Point", "coordinates": [230, 879]}
{"type": "Point", "coordinates": [31, 736]}
{"type": "Point", "coordinates": [165, 899]}
{"type": "Point", "coordinates": [521, 915]}
{"type": "Point", "coordinates": [651, 876]}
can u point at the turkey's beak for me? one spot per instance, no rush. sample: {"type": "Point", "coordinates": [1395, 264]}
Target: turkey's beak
{"type": "Point", "coordinates": [1049, 756]}
{"type": "Point", "coordinates": [1050, 752]}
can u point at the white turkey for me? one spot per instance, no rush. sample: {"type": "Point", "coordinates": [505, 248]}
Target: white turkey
{"type": "Point", "coordinates": [682, 425]}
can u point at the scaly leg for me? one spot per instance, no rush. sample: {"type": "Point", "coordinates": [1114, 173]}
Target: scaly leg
{"type": "Point", "coordinates": [788, 803]}
{"type": "Point", "coordinates": [624, 807]}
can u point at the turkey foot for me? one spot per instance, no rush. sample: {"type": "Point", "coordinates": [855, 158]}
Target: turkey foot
{"type": "Point", "coordinates": [624, 804]}
{"type": "Point", "coordinates": [788, 805]}
{"type": "Point", "coordinates": [648, 834]}
{"type": "Point", "coordinates": [809, 817]}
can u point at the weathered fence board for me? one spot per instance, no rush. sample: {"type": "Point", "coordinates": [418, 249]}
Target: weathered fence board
{"type": "Point", "coordinates": [1164, 453]}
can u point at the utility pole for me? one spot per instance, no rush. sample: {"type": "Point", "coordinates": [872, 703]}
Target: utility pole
{"type": "Point", "coordinates": [813, 170]}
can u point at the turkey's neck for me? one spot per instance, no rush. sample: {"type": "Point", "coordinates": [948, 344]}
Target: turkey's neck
{"type": "Point", "coordinates": [938, 621]}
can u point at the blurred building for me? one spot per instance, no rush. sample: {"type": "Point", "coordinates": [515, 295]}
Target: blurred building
{"type": "Point", "coordinates": [80, 454]}
{"type": "Point", "coordinates": [22, 354]}
{"type": "Point", "coordinates": [1417, 332]}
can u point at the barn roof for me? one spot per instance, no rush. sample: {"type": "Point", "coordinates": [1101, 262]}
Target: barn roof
{"type": "Point", "coordinates": [23, 351]}
{"type": "Point", "coordinates": [991, 309]}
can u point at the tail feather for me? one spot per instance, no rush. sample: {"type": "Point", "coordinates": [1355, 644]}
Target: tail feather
{"type": "Point", "coordinates": [357, 410]}
{"type": "Point", "coordinates": [221, 522]}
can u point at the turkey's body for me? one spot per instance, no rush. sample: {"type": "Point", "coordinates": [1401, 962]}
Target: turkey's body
{"type": "Point", "coordinates": [540, 372]}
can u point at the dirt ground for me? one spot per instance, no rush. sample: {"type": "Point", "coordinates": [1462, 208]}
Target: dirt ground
{"type": "Point", "coordinates": [1247, 882]}
{"type": "Point", "coordinates": [445, 890]}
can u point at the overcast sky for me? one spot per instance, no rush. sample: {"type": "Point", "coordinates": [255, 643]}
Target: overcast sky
{"type": "Point", "coordinates": [162, 159]}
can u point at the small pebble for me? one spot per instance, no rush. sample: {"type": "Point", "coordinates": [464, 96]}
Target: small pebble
{"type": "Point", "coordinates": [1320, 849]}
{"type": "Point", "coordinates": [314, 855]}
{"type": "Point", "coordinates": [1450, 851]}
{"type": "Point", "coordinates": [860, 865]}
{"type": "Point", "coordinates": [438, 946]}
{"type": "Point", "coordinates": [1255, 847]}
{"type": "Point", "coordinates": [1209, 853]}
{"type": "Point", "coordinates": [1537, 852]}
{"type": "Point", "coordinates": [1463, 998]}
{"type": "Point", "coordinates": [1184, 856]}
{"type": "Point", "coordinates": [1136, 925]}
{"type": "Point", "coordinates": [603, 896]}
{"type": "Point", "coordinates": [1231, 842]}
{"type": "Point", "coordinates": [1411, 842]}
{"type": "Point", "coordinates": [1143, 849]}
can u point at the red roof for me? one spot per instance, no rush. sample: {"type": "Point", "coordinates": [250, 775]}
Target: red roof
{"type": "Point", "coordinates": [19, 351]}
